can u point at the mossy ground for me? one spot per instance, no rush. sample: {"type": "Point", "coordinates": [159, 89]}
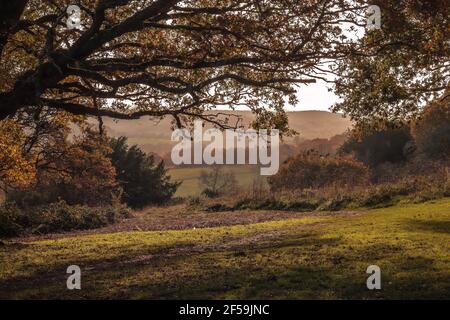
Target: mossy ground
{"type": "Point", "coordinates": [315, 257]}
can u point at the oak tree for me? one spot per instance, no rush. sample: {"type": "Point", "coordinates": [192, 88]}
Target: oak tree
{"type": "Point", "coordinates": [401, 67]}
{"type": "Point", "coordinates": [130, 58]}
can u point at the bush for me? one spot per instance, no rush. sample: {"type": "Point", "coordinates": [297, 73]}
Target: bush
{"type": "Point", "coordinates": [143, 181]}
{"type": "Point", "coordinates": [217, 182]}
{"type": "Point", "coordinates": [310, 170]}
{"type": "Point", "coordinates": [9, 216]}
{"type": "Point", "coordinates": [75, 170]}
{"type": "Point", "coordinates": [410, 189]}
{"type": "Point", "coordinates": [218, 207]}
{"type": "Point", "coordinates": [374, 146]}
{"type": "Point", "coordinates": [377, 197]}
{"type": "Point", "coordinates": [267, 204]}
{"type": "Point", "coordinates": [336, 203]}
{"type": "Point", "coordinates": [194, 201]}
{"type": "Point", "coordinates": [209, 193]}
{"type": "Point", "coordinates": [56, 217]}
{"type": "Point", "coordinates": [432, 131]}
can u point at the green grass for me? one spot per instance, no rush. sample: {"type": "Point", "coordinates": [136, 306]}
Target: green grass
{"type": "Point", "coordinates": [302, 258]}
{"type": "Point", "coordinates": [190, 177]}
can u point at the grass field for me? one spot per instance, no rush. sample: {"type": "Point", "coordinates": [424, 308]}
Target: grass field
{"type": "Point", "coordinates": [300, 256]}
{"type": "Point", "coordinates": [245, 174]}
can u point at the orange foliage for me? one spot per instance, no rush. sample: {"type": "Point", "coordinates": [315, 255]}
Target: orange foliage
{"type": "Point", "coordinates": [15, 168]}
{"type": "Point", "coordinates": [311, 170]}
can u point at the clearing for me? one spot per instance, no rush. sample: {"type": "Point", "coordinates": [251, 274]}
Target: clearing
{"type": "Point", "coordinates": [190, 178]}
{"type": "Point", "coordinates": [177, 253]}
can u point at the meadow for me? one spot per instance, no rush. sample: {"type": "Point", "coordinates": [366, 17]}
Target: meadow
{"type": "Point", "coordinates": [190, 178]}
{"type": "Point", "coordinates": [179, 252]}
{"type": "Point", "coordinates": [90, 96]}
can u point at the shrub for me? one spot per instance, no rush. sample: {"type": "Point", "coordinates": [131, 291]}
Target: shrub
{"type": "Point", "coordinates": [336, 203]}
{"type": "Point", "coordinates": [374, 146]}
{"type": "Point", "coordinates": [378, 197]}
{"type": "Point", "coordinates": [143, 181]}
{"type": "Point", "coordinates": [218, 207]}
{"type": "Point", "coordinates": [56, 217]}
{"type": "Point", "coordinates": [310, 170]}
{"type": "Point", "coordinates": [194, 201]}
{"type": "Point", "coordinates": [432, 131]}
{"type": "Point", "coordinates": [209, 193]}
{"type": "Point", "coordinates": [217, 182]}
{"type": "Point", "coordinates": [9, 216]}
{"type": "Point", "coordinates": [410, 189]}
{"type": "Point", "coordinates": [275, 204]}
{"type": "Point", "coordinates": [75, 170]}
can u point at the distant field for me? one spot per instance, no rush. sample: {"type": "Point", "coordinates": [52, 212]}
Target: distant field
{"type": "Point", "coordinates": [245, 174]}
{"type": "Point", "coordinates": [154, 136]}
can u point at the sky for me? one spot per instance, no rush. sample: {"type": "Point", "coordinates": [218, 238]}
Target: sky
{"type": "Point", "coordinates": [314, 96]}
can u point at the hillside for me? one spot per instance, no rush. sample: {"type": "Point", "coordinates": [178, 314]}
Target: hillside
{"type": "Point", "coordinates": [154, 136]}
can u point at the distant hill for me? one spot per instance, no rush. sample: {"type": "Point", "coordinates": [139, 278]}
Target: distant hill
{"type": "Point", "coordinates": [154, 136]}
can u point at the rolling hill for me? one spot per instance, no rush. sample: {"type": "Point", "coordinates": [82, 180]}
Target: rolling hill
{"type": "Point", "coordinates": [154, 136]}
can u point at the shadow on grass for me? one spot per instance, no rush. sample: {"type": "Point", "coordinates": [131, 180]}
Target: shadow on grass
{"type": "Point", "coordinates": [303, 266]}
{"type": "Point", "coordinates": [441, 226]}
{"type": "Point", "coordinates": [50, 281]}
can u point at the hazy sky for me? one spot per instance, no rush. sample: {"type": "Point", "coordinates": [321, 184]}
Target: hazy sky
{"type": "Point", "coordinates": [314, 96]}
